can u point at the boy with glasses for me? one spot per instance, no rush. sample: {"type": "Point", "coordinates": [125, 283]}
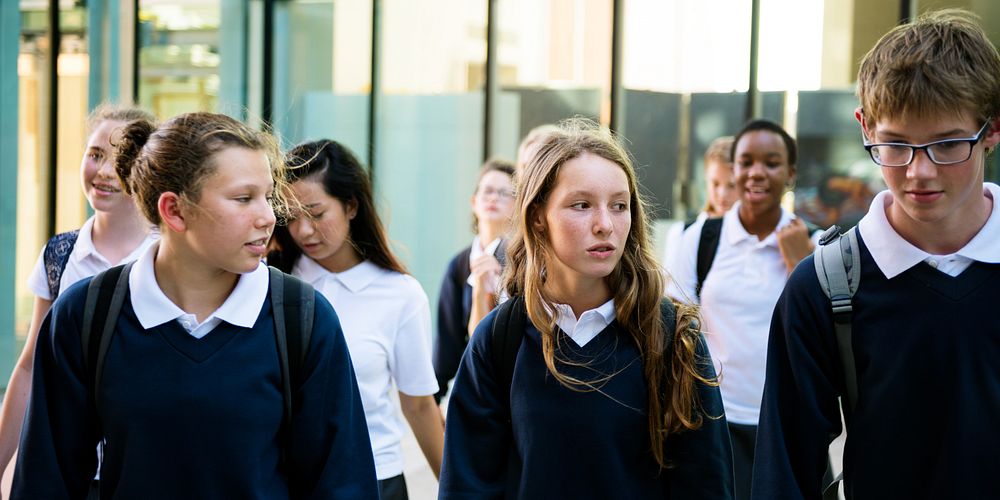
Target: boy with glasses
{"type": "Point", "coordinates": [925, 331]}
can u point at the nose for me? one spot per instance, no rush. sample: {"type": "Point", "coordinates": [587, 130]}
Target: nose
{"type": "Point", "coordinates": [300, 228]}
{"type": "Point", "coordinates": [106, 169]}
{"type": "Point", "coordinates": [266, 217]}
{"type": "Point", "coordinates": [603, 223]}
{"type": "Point", "coordinates": [921, 167]}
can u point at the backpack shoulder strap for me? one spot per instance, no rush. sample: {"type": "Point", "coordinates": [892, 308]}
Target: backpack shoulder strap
{"type": "Point", "coordinates": [508, 332]}
{"type": "Point", "coordinates": [293, 305]}
{"type": "Point", "coordinates": [838, 268]}
{"type": "Point", "coordinates": [55, 256]}
{"type": "Point", "coordinates": [708, 245]}
{"type": "Point", "coordinates": [105, 297]}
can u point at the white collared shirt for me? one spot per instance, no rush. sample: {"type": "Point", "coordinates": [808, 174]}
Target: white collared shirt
{"type": "Point", "coordinates": [84, 261]}
{"type": "Point", "coordinates": [894, 255]}
{"type": "Point", "coordinates": [477, 250]}
{"type": "Point", "coordinates": [386, 319]}
{"type": "Point", "coordinates": [590, 323]}
{"type": "Point", "coordinates": [153, 308]}
{"type": "Point", "coordinates": [737, 299]}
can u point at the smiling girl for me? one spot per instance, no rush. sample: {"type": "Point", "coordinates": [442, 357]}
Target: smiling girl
{"type": "Point", "coordinates": [339, 245]}
{"type": "Point", "coordinates": [612, 393]}
{"type": "Point", "coordinates": [759, 245]}
{"type": "Point", "coordinates": [115, 234]}
{"type": "Point", "coordinates": [191, 402]}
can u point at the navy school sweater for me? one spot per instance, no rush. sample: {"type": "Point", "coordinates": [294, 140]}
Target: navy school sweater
{"type": "Point", "coordinates": [192, 418]}
{"type": "Point", "coordinates": [563, 443]}
{"type": "Point", "coordinates": [454, 308]}
{"type": "Point", "coordinates": [927, 422]}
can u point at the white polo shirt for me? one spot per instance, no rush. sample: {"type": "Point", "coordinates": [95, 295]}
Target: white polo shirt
{"type": "Point", "coordinates": [153, 308]}
{"type": "Point", "coordinates": [893, 255]}
{"type": "Point", "coordinates": [387, 323]}
{"type": "Point", "coordinates": [737, 299]}
{"type": "Point", "coordinates": [84, 261]}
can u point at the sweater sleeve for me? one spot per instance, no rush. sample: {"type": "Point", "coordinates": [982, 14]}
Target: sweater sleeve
{"type": "Point", "coordinates": [451, 326]}
{"type": "Point", "coordinates": [477, 437]}
{"type": "Point", "coordinates": [702, 459]}
{"type": "Point", "coordinates": [57, 456]}
{"type": "Point", "coordinates": [331, 455]}
{"type": "Point", "coordinates": [800, 414]}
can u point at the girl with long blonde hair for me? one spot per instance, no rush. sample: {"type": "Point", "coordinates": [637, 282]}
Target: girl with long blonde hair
{"type": "Point", "coordinates": [612, 393]}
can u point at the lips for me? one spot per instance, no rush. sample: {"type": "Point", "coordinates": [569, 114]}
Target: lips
{"type": "Point", "coordinates": [601, 250]}
{"type": "Point", "coordinates": [259, 246]}
{"type": "Point", "coordinates": [924, 195]}
{"type": "Point", "coordinates": [105, 188]}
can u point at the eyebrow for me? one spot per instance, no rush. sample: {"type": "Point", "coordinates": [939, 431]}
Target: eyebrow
{"type": "Point", "coordinates": [899, 137]}
{"type": "Point", "coordinates": [589, 193]}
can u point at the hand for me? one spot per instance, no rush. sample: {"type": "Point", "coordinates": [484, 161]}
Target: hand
{"type": "Point", "coordinates": [485, 273]}
{"type": "Point", "coordinates": [794, 243]}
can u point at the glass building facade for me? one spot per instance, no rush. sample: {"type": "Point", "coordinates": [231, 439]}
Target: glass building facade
{"type": "Point", "coordinates": [424, 90]}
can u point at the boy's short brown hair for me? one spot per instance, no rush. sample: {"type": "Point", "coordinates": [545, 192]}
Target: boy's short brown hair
{"type": "Point", "coordinates": [941, 63]}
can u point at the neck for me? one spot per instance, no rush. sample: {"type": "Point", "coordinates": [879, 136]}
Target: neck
{"type": "Point", "coordinates": [193, 286]}
{"type": "Point", "coordinates": [346, 258]}
{"type": "Point", "coordinates": [117, 234]}
{"type": "Point", "coordinates": [488, 233]}
{"type": "Point", "coordinates": [579, 295]}
{"type": "Point", "coordinates": [759, 225]}
{"type": "Point", "coordinates": [945, 236]}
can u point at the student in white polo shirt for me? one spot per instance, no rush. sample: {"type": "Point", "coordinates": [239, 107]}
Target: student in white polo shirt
{"type": "Point", "coordinates": [115, 234]}
{"type": "Point", "coordinates": [758, 245]}
{"type": "Point", "coordinates": [338, 244]}
{"type": "Point", "coordinates": [189, 397]}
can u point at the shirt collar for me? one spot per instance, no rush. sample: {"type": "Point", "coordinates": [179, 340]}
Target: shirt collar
{"type": "Point", "coordinates": [153, 308]}
{"type": "Point", "coordinates": [354, 279]}
{"type": "Point", "coordinates": [477, 250]}
{"type": "Point", "coordinates": [84, 246]}
{"type": "Point", "coordinates": [734, 232]}
{"type": "Point", "coordinates": [591, 322]}
{"type": "Point", "coordinates": [893, 255]}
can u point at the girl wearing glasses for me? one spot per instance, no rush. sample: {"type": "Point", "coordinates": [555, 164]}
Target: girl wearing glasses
{"type": "Point", "coordinates": [759, 243]}
{"type": "Point", "coordinates": [470, 287]}
{"type": "Point", "coordinates": [339, 245]}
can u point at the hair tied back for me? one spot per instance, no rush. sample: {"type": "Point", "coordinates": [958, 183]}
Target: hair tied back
{"type": "Point", "coordinates": [128, 149]}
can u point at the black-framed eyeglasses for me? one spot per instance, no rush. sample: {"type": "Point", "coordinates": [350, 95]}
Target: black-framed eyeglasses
{"type": "Point", "coordinates": [943, 152]}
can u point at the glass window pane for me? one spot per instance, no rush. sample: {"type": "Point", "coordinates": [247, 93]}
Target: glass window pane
{"type": "Point", "coordinates": [430, 128]}
{"type": "Point", "coordinates": [179, 56]}
{"type": "Point", "coordinates": [322, 72]}
{"type": "Point", "coordinates": [835, 177]}
{"type": "Point", "coordinates": [554, 61]}
{"type": "Point", "coordinates": [685, 70]}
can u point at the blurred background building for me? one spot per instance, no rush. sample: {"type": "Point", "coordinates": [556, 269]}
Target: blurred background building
{"type": "Point", "coordinates": [424, 90]}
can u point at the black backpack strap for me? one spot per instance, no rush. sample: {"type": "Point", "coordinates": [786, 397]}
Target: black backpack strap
{"type": "Point", "coordinates": [708, 246]}
{"type": "Point", "coordinates": [105, 296]}
{"type": "Point", "coordinates": [508, 332]}
{"type": "Point", "coordinates": [55, 256]}
{"type": "Point", "coordinates": [293, 305]}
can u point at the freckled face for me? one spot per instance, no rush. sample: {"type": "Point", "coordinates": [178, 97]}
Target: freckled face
{"type": "Point", "coordinates": [233, 220]}
{"type": "Point", "coordinates": [323, 231]}
{"type": "Point", "coordinates": [97, 170]}
{"type": "Point", "coordinates": [587, 219]}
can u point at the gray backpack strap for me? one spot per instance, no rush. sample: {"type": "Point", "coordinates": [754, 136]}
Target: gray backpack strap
{"type": "Point", "coordinates": [277, 279]}
{"type": "Point", "coordinates": [838, 267]}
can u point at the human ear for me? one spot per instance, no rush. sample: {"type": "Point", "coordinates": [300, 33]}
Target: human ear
{"type": "Point", "coordinates": [351, 209]}
{"type": "Point", "coordinates": [169, 205]}
{"type": "Point", "coordinates": [859, 115]}
{"type": "Point", "coordinates": [992, 137]}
